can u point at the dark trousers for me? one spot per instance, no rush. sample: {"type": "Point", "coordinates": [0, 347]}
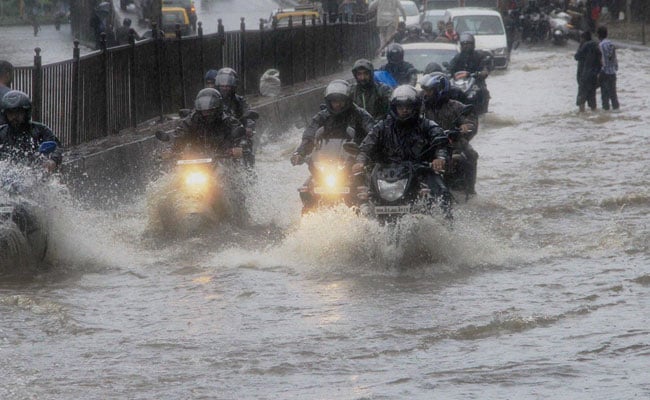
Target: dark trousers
{"type": "Point", "coordinates": [439, 191]}
{"type": "Point", "coordinates": [587, 92]}
{"type": "Point", "coordinates": [608, 91]}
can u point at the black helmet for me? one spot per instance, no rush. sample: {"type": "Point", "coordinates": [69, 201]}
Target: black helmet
{"type": "Point", "coordinates": [210, 75]}
{"type": "Point", "coordinates": [436, 89]}
{"type": "Point", "coordinates": [338, 90]}
{"type": "Point", "coordinates": [432, 67]}
{"type": "Point", "coordinates": [427, 26]}
{"type": "Point", "coordinates": [413, 30]}
{"type": "Point", "coordinates": [209, 99]}
{"type": "Point", "coordinates": [405, 95]}
{"type": "Point", "coordinates": [363, 64]}
{"type": "Point", "coordinates": [467, 41]}
{"type": "Point", "coordinates": [15, 99]}
{"type": "Point", "coordinates": [395, 53]}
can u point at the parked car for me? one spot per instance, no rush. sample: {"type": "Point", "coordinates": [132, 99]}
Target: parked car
{"type": "Point", "coordinates": [172, 16]}
{"type": "Point", "coordinates": [412, 12]}
{"type": "Point", "coordinates": [487, 27]}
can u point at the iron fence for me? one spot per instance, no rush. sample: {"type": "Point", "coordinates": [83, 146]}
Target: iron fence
{"type": "Point", "coordinates": [114, 88]}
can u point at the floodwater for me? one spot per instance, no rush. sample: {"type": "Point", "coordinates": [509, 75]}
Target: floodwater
{"type": "Point", "coordinates": [541, 290]}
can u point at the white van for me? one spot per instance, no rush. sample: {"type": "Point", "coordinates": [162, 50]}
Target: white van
{"type": "Point", "coordinates": [487, 27]}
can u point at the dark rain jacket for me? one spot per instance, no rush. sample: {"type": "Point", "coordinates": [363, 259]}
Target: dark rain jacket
{"type": "Point", "coordinates": [22, 145]}
{"type": "Point", "coordinates": [589, 60]}
{"type": "Point", "coordinates": [237, 106]}
{"type": "Point", "coordinates": [401, 71]}
{"type": "Point", "coordinates": [448, 116]}
{"type": "Point", "coordinates": [217, 136]}
{"type": "Point", "coordinates": [390, 143]}
{"type": "Point", "coordinates": [335, 124]}
{"type": "Point", "coordinates": [475, 61]}
{"type": "Point", "coordinates": [374, 98]}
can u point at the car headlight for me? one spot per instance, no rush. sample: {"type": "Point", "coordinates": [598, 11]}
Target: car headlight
{"type": "Point", "coordinates": [391, 191]}
{"type": "Point", "coordinates": [501, 51]}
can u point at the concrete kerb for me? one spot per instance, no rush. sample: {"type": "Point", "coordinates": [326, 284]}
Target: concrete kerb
{"type": "Point", "coordinates": [99, 175]}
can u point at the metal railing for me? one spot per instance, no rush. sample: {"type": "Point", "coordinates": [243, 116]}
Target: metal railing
{"type": "Point", "coordinates": [101, 93]}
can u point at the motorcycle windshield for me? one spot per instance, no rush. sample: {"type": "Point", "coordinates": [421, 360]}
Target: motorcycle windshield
{"type": "Point", "coordinates": [391, 191]}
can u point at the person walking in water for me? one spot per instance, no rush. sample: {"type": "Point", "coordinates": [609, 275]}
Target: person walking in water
{"type": "Point", "coordinates": [589, 65]}
{"type": "Point", "coordinates": [607, 75]}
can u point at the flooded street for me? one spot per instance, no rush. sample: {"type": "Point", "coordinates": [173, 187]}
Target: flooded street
{"type": "Point", "coordinates": [541, 290]}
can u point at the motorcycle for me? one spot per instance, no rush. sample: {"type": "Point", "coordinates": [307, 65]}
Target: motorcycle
{"type": "Point", "coordinates": [535, 27]}
{"type": "Point", "coordinates": [467, 84]}
{"type": "Point", "coordinates": [395, 190]}
{"type": "Point", "coordinates": [201, 192]}
{"type": "Point", "coordinates": [331, 180]}
{"type": "Point", "coordinates": [23, 223]}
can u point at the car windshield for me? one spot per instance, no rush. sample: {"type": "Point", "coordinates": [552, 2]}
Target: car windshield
{"type": "Point", "coordinates": [434, 17]}
{"type": "Point", "coordinates": [479, 24]}
{"type": "Point", "coordinates": [420, 58]}
{"type": "Point", "coordinates": [441, 4]}
{"type": "Point", "coordinates": [410, 8]}
{"type": "Point", "coordinates": [173, 18]}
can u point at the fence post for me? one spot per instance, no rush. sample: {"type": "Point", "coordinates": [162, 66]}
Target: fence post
{"type": "Point", "coordinates": [201, 56]}
{"type": "Point", "coordinates": [132, 80]}
{"type": "Point", "coordinates": [180, 63]}
{"type": "Point", "coordinates": [75, 94]}
{"type": "Point", "coordinates": [221, 41]}
{"type": "Point", "coordinates": [37, 86]}
{"type": "Point", "coordinates": [292, 77]}
{"type": "Point", "coordinates": [243, 65]}
{"type": "Point", "coordinates": [158, 40]}
{"type": "Point", "coordinates": [104, 91]}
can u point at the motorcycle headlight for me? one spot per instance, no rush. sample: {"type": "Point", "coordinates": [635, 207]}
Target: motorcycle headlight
{"type": "Point", "coordinates": [391, 191]}
{"type": "Point", "coordinates": [330, 180]}
{"type": "Point", "coordinates": [196, 179]}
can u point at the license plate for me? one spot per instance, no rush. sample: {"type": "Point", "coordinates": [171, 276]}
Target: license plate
{"type": "Point", "coordinates": [392, 209]}
{"type": "Point", "coordinates": [335, 190]}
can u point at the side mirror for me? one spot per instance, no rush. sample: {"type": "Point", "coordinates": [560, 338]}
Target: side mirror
{"type": "Point", "coordinates": [351, 148]}
{"type": "Point", "coordinates": [184, 112]}
{"type": "Point", "coordinates": [47, 147]}
{"type": "Point", "coordinates": [163, 136]}
{"type": "Point", "coordinates": [250, 114]}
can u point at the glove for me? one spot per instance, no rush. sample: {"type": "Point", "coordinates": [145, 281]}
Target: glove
{"type": "Point", "coordinates": [296, 159]}
{"type": "Point", "coordinates": [236, 152]}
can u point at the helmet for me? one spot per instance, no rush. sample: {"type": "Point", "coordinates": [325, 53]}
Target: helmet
{"type": "Point", "coordinates": [467, 42]}
{"type": "Point", "coordinates": [210, 75]}
{"type": "Point", "coordinates": [229, 71]}
{"type": "Point", "coordinates": [395, 53]}
{"type": "Point", "coordinates": [126, 22]}
{"type": "Point", "coordinates": [413, 30]}
{"type": "Point", "coordinates": [208, 99]}
{"type": "Point", "coordinates": [338, 89]}
{"type": "Point", "coordinates": [225, 80]}
{"type": "Point", "coordinates": [427, 26]}
{"type": "Point", "coordinates": [405, 95]}
{"type": "Point", "coordinates": [363, 64]}
{"type": "Point", "coordinates": [432, 67]}
{"type": "Point", "coordinates": [436, 89]}
{"type": "Point", "coordinates": [15, 99]}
